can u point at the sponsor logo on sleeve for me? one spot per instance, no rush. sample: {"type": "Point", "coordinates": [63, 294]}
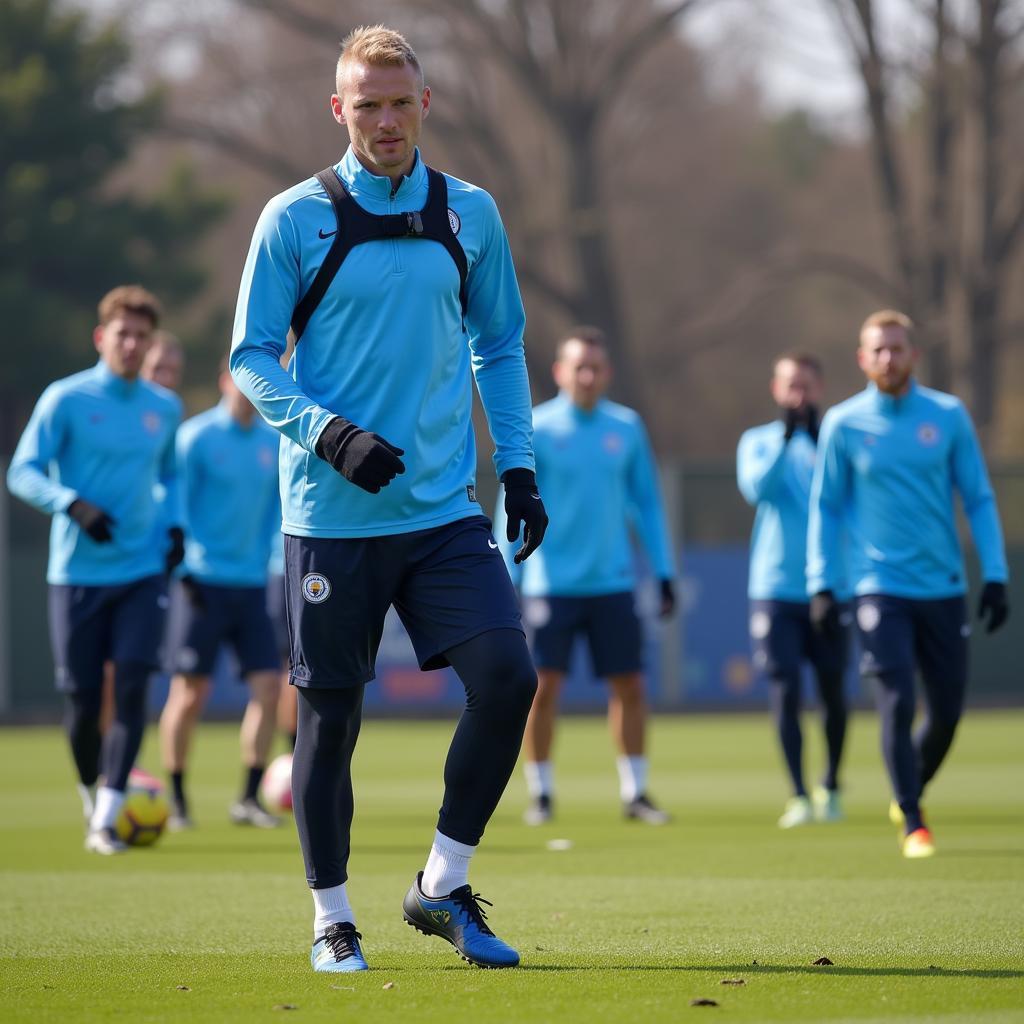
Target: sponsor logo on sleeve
{"type": "Point", "coordinates": [455, 221]}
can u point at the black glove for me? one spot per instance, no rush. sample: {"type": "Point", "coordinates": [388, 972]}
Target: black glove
{"type": "Point", "coordinates": [362, 458]}
{"type": "Point", "coordinates": [813, 422]}
{"type": "Point", "coordinates": [668, 599]}
{"type": "Point", "coordinates": [993, 603]}
{"type": "Point", "coordinates": [825, 613]}
{"type": "Point", "coordinates": [93, 520]}
{"type": "Point", "coordinates": [805, 416]}
{"type": "Point", "coordinates": [523, 505]}
{"type": "Point", "coordinates": [194, 592]}
{"type": "Point", "coordinates": [792, 418]}
{"type": "Point", "coordinates": [176, 552]}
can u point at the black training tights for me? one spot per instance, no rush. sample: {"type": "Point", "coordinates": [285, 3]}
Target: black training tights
{"type": "Point", "coordinates": [500, 681]}
{"type": "Point", "coordinates": [115, 753]}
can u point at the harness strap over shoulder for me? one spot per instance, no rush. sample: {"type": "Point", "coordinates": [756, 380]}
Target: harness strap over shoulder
{"type": "Point", "coordinates": [356, 226]}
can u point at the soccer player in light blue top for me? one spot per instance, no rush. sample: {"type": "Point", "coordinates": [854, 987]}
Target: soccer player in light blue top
{"type": "Point", "coordinates": [595, 466]}
{"type": "Point", "coordinates": [98, 445]}
{"type": "Point", "coordinates": [774, 465]}
{"type": "Point", "coordinates": [227, 461]}
{"type": "Point", "coordinates": [398, 283]}
{"type": "Point", "coordinates": [890, 460]}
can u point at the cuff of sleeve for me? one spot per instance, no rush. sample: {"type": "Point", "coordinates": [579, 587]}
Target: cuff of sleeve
{"type": "Point", "coordinates": [66, 499]}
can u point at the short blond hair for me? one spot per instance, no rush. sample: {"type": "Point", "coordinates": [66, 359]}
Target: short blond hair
{"type": "Point", "coordinates": [379, 47]}
{"type": "Point", "coordinates": [887, 318]}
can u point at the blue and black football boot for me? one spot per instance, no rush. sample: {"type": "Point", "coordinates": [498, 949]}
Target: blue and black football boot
{"type": "Point", "coordinates": [459, 918]}
{"type": "Point", "coordinates": [337, 950]}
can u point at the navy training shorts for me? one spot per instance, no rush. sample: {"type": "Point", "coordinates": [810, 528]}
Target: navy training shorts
{"type": "Point", "coordinates": [782, 638]}
{"type": "Point", "coordinates": [899, 634]}
{"type": "Point", "coordinates": [448, 585]}
{"type": "Point", "coordinates": [608, 622]}
{"type": "Point", "coordinates": [122, 622]}
{"type": "Point", "coordinates": [235, 616]}
{"type": "Point", "coordinates": [278, 616]}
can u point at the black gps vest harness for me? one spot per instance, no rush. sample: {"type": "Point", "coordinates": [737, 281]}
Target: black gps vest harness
{"type": "Point", "coordinates": [356, 226]}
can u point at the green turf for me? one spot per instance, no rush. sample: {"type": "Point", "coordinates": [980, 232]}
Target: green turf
{"type": "Point", "coordinates": [629, 924]}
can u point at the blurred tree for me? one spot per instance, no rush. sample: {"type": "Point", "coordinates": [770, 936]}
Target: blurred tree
{"type": "Point", "coordinates": [949, 179]}
{"type": "Point", "coordinates": [69, 121]}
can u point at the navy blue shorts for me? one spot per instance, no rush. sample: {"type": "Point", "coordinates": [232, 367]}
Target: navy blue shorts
{"type": "Point", "coordinates": [235, 616]}
{"type": "Point", "coordinates": [448, 585]}
{"type": "Point", "coordinates": [91, 625]}
{"type": "Point", "coordinates": [782, 640]}
{"type": "Point", "coordinates": [279, 617]}
{"type": "Point", "coordinates": [608, 622]}
{"type": "Point", "coordinates": [900, 634]}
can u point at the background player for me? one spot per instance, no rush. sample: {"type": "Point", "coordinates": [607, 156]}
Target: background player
{"type": "Point", "coordinates": [227, 461]}
{"type": "Point", "coordinates": [595, 466]}
{"type": "Point", "coordinates": [890, 459]}
{"type": "Point", "coordinates": [96, 447]}
{"type": "Point", "coordinates": [774, 466]}
{"type": "Point", "coordinates": [165, 361]}
{"type": "Point", "coordinates": [382, 369]}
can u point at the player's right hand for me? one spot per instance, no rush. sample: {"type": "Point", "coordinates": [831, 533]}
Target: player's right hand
{"type": "Point", "coordinates": [362, 458]}
{"type": "Point", "coordinates": [824, 613]}
{"type": "Point", "coordinates": [93, 520]}
{"type": "Point", "coordinates": [523, 505]}
{"type": "Point", "coordinates": [994, 604]}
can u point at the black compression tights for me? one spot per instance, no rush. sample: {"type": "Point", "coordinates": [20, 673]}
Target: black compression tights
{"type": "Point", "coordinates": [500, 682]}
{"type": "Point", "coordinates": [115, 753]}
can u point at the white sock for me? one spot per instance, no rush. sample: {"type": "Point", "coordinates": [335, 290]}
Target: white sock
{"type": "Point", "coordinates": [108, 807]}
{"type": "Point", "coordinates": [331, 907]}
{"type": "Point", "coordinates": [540, 778]}
{"type": "Point", "coordinates": [447, 866]}
{"type": "Point", "coordinates": [88, 795]}
{"type": "Point", "coordinates": [632, 776]}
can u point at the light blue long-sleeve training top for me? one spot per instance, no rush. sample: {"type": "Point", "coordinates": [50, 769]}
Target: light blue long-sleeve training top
{"type": "Point", "coordinates": [596, 473]}
{"type": "Point", "coordinates": [775, 477]}
{"type": "Point", "coordinates": [887, 467]}
{"type": "Point", "coordinates": [385, 349]}
{"type": "Point", "coordinates": [229, 491]}
{"type": "Point", "coordinates": [110, 442]}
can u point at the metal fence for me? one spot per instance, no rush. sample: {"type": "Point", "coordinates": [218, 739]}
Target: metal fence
{"type": "Point", "coordinates": [700, 659]}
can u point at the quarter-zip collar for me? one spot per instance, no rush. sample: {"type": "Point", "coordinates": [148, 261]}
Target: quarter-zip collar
{"type": "Point", "coordinates": [224, 417]}
{"type": "Point", "coordinates": [113, 384]}
{"type": "Point", "coordinates": [577, 411]}
{"type": "Point", "coordinates": [360, 182]}
{"type": "Point", "coordinates": [892, 405]}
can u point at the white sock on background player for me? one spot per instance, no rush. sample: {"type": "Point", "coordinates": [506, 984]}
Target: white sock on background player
{"type": "Point", "coordinates": [88, 795]}
{"type": "Point", "coordinates": [447, 866]}
{"type": "Point", "coordinates": [540, 778]}
{"type": "Point", "coordinates": [108, 807]}
{"type": "Point", "coordinates": [632, 776]}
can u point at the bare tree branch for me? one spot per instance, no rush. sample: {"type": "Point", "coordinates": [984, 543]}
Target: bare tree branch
{"type": "Point", "coordinates": [268, 160]}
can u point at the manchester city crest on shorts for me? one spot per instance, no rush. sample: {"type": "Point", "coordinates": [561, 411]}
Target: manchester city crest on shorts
{"type": "Point", "coordinates": [453, 219]}
{"type": "Point", "coordinates": [316, 588]}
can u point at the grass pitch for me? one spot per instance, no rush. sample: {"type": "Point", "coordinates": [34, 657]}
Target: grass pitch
{"type": "Point", "coordinates": [629, 924]}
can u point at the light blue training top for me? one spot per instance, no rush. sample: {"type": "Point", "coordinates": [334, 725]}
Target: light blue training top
{"type": "Point", "coordinates": [229, 489]}
{"type": "Point", "coordinates": [775, 477]}
{"type": "Point", "coordinates": [108, 441]}
{"type": "Point", "coordinates": [385, 349]}
{"type": "Point", "coordinates": [887, 468]}
{"type": "Point", "coordinates": [597, 477]}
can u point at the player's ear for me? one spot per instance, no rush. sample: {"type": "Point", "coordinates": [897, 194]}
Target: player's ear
{"type": "Point", "coordinates": [337, 110]}
{"type": "Point", "coordinates": [425, 100]}
{"type": "Point", "coordinates": [97, 336]}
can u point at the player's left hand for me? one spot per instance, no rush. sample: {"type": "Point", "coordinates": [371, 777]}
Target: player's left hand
{"type": "Point", "coordinates": [176, 552]}
{"type": "Point", "coordinates": [523, 505]}
{"type": "Point", "coordinates": [994, 604]}
{"type": "Point", "coordinates": [668, 599]}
